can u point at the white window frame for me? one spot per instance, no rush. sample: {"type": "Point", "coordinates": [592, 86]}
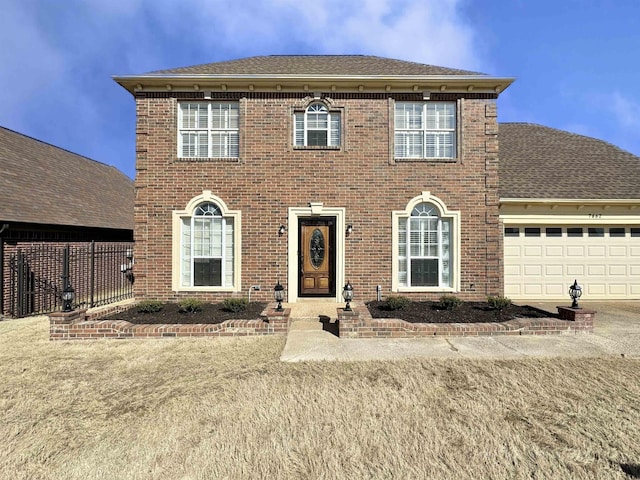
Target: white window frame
{"type": "Point", "coordinates": [231, 281]}
{"type": "Point", "coordinates": [450, 216]}
{"type": "Point", "coordinates": [205, 130]}
{"type": "Point", "coordinates": [430, 124]}
{"type": "Point", "coordinates": [303, 123]}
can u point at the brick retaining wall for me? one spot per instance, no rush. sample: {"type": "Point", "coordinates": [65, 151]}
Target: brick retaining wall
{"type": "Point", "coordinates": [360, 324]}
{"type": "Point", "coordinates": [80, 325]}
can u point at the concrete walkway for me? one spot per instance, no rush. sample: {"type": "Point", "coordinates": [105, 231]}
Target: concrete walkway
{"type": "Point", "coordinates": [313, 337]}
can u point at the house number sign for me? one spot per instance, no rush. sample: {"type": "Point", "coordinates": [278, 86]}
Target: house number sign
{"type": "Point", "coordinates": [595, 215]}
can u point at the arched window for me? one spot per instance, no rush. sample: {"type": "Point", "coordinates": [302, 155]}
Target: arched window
{"type": "Point", "coordinates": [207, 245]}
{"type": "Point", "coordinates": [426, 243]}
{"type": "Point", "coordinates": [317, 126]}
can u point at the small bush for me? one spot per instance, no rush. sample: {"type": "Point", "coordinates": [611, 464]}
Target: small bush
{"type": "Point", "coordinates": [235, 304]}
{"type": "Point", "coordinates": [149, 306]}
{"type": "Point", "coordinates": [396, 303]}
{"type": "Point", "coordinates": [189, 305]}
{"type": "Point", "coordinates": [498, 303]}
{"type": "Point", "coordinates": [450, 302]}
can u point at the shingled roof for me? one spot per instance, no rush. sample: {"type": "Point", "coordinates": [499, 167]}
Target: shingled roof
{"type": "Point", "coordinates": [315, 65]}
{"type": "Point", "coordinates": [43, 184]}
{"type": "Point", "coordinates": [541, 162]}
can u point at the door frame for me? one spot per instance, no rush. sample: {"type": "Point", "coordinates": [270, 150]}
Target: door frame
{"type": "Point", "coordinates": [315, 209]}
{"type": "Point", "coordinates": [330, 223]}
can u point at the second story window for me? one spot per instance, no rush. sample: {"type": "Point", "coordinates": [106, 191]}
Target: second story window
{"type": "Point", "coordinates": [208, 130]}
{"type": "Point", "coordinates": [317, 126]}
{"type": "Point", "coordinates": [425, 130]}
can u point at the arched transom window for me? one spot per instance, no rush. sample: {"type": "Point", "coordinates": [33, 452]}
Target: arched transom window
{"type": "Point", "coordinates": [207, 248]}
{"type": "Point", "coordinates": [317, 126]}
{"type": "Point", "coordinates": [424, 248]}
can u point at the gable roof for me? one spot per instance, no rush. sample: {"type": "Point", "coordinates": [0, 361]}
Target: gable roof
{"type": "Point", "coordinates": [43, 184]}
{"type": "Point", "coordinates": [296, 72]}
{"type": "Point", "coordinates": [539, 162]}
{"type": "Point", "coordinates": [316, 65]}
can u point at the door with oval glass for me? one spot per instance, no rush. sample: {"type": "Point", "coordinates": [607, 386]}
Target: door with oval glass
{"type": "Point", "coordinates": [317, 258]}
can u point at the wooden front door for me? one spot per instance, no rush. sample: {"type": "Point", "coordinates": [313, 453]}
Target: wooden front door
{"type": "Point", "coordinates": [317, 258]}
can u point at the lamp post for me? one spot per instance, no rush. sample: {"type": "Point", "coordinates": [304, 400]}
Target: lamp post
{"type": "Point", "coordinates": [347, 294]}
{"type": "Point", "coordinates": [575, 292]}
{"type": "Point", "coordinates": [278, 295]}
{"type": "Point", "coordinates": [68, 295]}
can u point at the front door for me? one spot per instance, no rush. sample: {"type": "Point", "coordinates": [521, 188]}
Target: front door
{"type": "Point", "coordinates": [317, 258]}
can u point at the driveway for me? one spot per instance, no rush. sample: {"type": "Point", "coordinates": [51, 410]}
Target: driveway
{"type": "Point", "coordinates": [616, 332]}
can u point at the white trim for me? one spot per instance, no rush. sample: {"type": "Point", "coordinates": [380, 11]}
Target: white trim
{"type": "Point", "coordinates": [315, 209]}
{"type": "Point", "coordinates": [177, 216]}
{"type": "Point", "coordinates": [454, 254]}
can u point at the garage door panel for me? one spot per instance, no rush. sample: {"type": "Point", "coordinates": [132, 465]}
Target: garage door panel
{"type": "Point", "coordinates": [553, 270]}
{"type": "Point", "coordinates": [544, 267]}
{"type": "Point", "coordinates": [554, 251]}
{"type": "Point", "coordinates": [575, 251]}
{"type": "Point", "coordinates": [618, 270]}
{"type": "Point", "coordinates": [573, 270]}
{"type": "Point", "coordinates": [596, 270]}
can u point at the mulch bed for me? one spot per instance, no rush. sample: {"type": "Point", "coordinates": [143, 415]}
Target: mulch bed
{"type": "Point", "coordinates": [467, 312]}
{"type": "Point", "coordinates": [211, 313]}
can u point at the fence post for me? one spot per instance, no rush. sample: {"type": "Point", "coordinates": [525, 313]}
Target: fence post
{"type": "Point", "coordinates": [93, 273]}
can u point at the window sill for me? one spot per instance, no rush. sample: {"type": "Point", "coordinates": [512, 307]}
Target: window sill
{"type": "Point", "coordinates": [207, 159]}
{"type": "Point", "coordinates": [426, 160]}
{"type": "Point", "coordinates": [426, 289]}
{"type": "Point", "coordinates": [206, 289]}
{"type": "Point", "coordinates": [317, 147]}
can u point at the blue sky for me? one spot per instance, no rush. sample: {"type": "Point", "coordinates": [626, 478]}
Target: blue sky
{"type": "Point", "coordinates": [577, 62]}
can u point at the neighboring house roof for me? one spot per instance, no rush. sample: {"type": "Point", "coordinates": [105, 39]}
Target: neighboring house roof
{"type": "Point", "coordinates": [316, 65]}
{"type": "Point", "coordinates": [538, 162]}
{"type": "Point", "coordinates": [294, 72]}
{"type": "Point", "coordinates": [43, 184]}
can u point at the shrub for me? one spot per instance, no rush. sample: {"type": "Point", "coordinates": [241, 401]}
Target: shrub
{"type": "Point", "coordinates": [396, 303]}
{"type": "Point", "coordinates": [450, 302]}
{"type": "Point", "coordinates": [189, 305]}
{"type": "Point", "coordinates": [235, 304]}
{"type": "Point", "coordinates": [149, 306]}
{"type": "Point", "coordinates": [498, 303]}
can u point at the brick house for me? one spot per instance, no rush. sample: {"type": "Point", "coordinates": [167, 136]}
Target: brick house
{"type": "Point", "coordinates": [314, 171]}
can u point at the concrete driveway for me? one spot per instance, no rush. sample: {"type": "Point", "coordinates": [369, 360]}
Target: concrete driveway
{"type": "Point", "coordinates": [616, 332]}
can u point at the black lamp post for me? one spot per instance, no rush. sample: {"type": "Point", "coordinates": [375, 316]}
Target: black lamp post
{"type": "Point", "coordinates": [575, 291]}
{"type": "Point", "coordinates": [68, 295]}
{"type": "Point", "coordinates": [278, 295]}
{"type": "Point", "coordinates": [347, 294]}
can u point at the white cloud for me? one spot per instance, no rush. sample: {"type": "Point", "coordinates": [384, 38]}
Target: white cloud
{"type": "Point", "coordinates": [625, 110]}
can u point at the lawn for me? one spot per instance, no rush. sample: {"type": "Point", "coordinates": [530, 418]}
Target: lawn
{"type": "Point", "coordinates": [228, 408]}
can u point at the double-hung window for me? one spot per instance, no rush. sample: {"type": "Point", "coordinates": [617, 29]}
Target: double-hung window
{"type": "Point", "coordinates": [425, 130]}
{"type": "Point", "coordinates": [317, 126]}
{"type": "Point", "coordinates": [206, 250]}
{"type": "Point", "coordinates": [208, 130]}
{"type": "Point", "coordinates": [424, 248]}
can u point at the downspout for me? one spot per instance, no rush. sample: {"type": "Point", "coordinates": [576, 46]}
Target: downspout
{"type": "Point", "coordinates": [3, 229]}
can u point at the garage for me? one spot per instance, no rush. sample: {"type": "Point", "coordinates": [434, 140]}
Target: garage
{"type": "Point", "coordinates": [543, 261]}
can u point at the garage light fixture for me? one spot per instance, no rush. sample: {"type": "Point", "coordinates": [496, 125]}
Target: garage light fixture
{"type": "Point", "coordinates": [575, 291]}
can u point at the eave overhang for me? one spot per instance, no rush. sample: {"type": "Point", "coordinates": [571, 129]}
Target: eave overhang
{"type": "Point", "coordinates": [324, 83]}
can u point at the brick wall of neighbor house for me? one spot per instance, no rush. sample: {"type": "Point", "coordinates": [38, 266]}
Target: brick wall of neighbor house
{"type": "Point", "coordinates": [272, 176]}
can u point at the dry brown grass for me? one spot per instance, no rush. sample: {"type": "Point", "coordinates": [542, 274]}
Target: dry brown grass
{"type": "Point", "coordinates": [227, 408]}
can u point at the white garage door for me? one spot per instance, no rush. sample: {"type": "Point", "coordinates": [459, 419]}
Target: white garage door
{"type": "Point", "coordinates": [542, 262]}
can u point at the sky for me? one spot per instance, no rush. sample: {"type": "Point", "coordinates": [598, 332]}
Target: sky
{"type": "Point", "coordinates": [576, 62]}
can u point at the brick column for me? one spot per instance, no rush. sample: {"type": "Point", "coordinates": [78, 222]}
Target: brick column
{"type": "Point", "coordinates": [60, 323]}
{"type": "Point", "coordinates": [348, 323]}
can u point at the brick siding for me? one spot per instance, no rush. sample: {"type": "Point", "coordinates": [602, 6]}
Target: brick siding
{"type": "Point", "coordinates": [271, 176]}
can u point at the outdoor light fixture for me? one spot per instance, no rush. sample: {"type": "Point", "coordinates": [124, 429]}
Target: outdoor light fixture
{"type": "Point", "coordinates": [349, 229]}
{"type": "Point", "coordinates": [281, 230]}
{"type": "Point", "coordinates": [129, 254]}
{"type": "Point", "coordinates": [347, 294]}
{"type": "Point", "coordinates": [278, 295]}
{"type": "Point", "coordinates": [127, 268]}
{"type": "Point", "coordinates": [575, 291]}
{"type": "Point", "coordinates": [68, 295]}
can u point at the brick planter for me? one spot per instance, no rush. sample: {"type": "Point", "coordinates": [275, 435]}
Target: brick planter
{"type": "Point", "coordinates": [78, 325]}
{"type": "Point", "coordinates": [360, 324]}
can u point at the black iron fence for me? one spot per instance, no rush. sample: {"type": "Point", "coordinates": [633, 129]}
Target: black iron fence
{"type": "Point", "coordinates": [100, 273]}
